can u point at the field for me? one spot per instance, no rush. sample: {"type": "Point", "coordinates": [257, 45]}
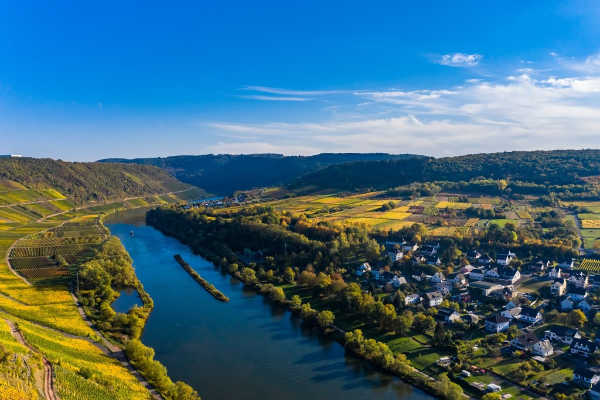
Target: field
{"type": "Point", "coordinates": [590, 265]}
{"type": "Point", "coordinates": [45, 238]}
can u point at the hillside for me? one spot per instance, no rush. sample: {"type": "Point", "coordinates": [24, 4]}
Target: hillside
{"type": "Point", "coordinates": [225, 173]}
{"type": "Point", "coordinates": [84, 182]}
{"type": "Point", "coordinates": [561, 167]}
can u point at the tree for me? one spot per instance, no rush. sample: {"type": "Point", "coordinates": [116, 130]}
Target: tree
{"type": "Point", "coordinates": [491, 396]}
{"type": "Point", "coordinates": [248, 275]}
{"type": "Point", "coordinates": [289, 275]}
{"type": "Point", "coordinates": [576, 318]}
{"type": "Point", "coordinates": [295, 302]}
{"type": "Point", "coordinates": [277, 294]}
{"type": "Point", "coordinates": [325, 318]}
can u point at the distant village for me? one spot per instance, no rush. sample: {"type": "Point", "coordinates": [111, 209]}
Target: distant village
{"type": "Point", "coordinates": [497, 281]}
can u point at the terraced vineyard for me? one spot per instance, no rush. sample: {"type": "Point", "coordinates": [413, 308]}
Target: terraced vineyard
{"type": "Point", "coordinates": [590, 265]}
{"type": "Point", "coordinates": [52, 254]}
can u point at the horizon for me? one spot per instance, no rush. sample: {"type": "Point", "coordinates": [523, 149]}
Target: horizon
{"type": "Point", "coordinates": [83, 83]}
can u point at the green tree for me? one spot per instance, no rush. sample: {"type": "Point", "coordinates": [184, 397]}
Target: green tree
{"type": "Point", "coordinates": [576, 318]}
{"type": "Point", "coordinates": [289, 275]}
{"type": "Point", "coordinates": [248, 275]}
{"type": "Point", "coordinates": [325, 318]}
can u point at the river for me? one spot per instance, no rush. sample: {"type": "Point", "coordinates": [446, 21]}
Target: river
{"type": "Point", "coordinates": [247, 348]}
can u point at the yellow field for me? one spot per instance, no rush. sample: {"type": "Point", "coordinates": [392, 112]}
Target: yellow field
{"type": "Point", "coordinates": [444, 231]}
{"type": "Point", "coordinates": [451, 204]}
{"type": "Point", "coordinates": [590, 223]}
{"type": "Point", "coordinates": [471, 222]}
{"type": "Point", "coordinates": [394, 214]}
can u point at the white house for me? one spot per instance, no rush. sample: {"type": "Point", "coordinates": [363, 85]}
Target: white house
{"type": "Point", "coordinates": [585, 377]}
{"type": "Point", "coordinates": [583, 347]}
{"type": "Point", "coordinates": [395, 255]}
{"type": "Point", "coordinates": [505, 258]}
{"type": "Point", "coordinates": [398, 281]}
{"type": "Point", "coordinates": [555, 273]}
{"type": "Point", "coordinates": [434, 299]}
{"type": "Point", "coordinates": [412, 247]}
{"type": "Point", "coordinates": [362, 269]}
{"type": "Point", "coordinates": [579, 279]}
{"type": "Point", "coordinates": [563, 334]}
{"type": "Point", "coordinates": [559, 287]}
{"type": "Point", "coordinates": [567, 264]}
{"type": "Point", "coordinates": [525, 341]}
{"type": "Point", "coordinates": [496, 323]}
{"type": "Point", "coordinates": [543, 348]}
{"type": "Point", "coordinates": [476, 274]}
{"type": "Point", "coordinates": [412, 299]}
{"type": "Point", "coordinates": [530, 315]}
{"type": "Point", "coordinates": [491, 273]}
{"type": "Point", "coordinates": [438, 277]}
{"type": "Point", "coordinates": [512, 313]}
{"type": "Point", "coordinates": [511, 275]}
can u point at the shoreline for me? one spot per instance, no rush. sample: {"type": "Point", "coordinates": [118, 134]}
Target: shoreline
{"type": "Point", "coordinates": [209, 287]}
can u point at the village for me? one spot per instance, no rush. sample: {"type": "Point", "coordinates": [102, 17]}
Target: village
{"type": "Point", "coordinates": [503, 295]}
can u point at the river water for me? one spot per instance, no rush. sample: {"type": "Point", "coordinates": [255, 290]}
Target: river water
{"type": "Point", "coordinates": [245, 349]}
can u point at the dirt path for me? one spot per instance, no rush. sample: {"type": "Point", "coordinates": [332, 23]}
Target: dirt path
{"type": "Point", "coordinates": [114, 351]}
{"type": "Point", "coordinates": [48, 386]}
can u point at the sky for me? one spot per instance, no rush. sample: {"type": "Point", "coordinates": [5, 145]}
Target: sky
{"type": "Point", "coordinates": [83, 81]}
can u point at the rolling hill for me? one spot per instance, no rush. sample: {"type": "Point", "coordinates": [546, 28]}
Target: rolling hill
{"type": "Point", "coordinates": [225, 173]}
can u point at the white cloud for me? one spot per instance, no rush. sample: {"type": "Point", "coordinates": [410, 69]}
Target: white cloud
{"type": "Point", "coordinates": [289, 92]}
{"type": "Point", "coordinates": [528, 110]}
{"type": "Point", "coordinates": [275, 98]}
{"type": "Point", "coordinates": [460, 60]}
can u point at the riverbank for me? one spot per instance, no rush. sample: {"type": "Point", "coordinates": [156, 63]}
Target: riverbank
{"type": "Point", "coordinates": [209, 287]}
{"type": "Point", "coordinates": [383, 358]}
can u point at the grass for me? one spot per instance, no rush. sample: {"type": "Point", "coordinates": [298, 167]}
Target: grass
{"type": "Point", "coordinates": [589, 237]}
{"type": "Point", "coordinates": [590, 223]}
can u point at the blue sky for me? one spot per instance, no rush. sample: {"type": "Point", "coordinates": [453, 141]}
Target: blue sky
{"type": "Point", "coordinates": [83, 81]}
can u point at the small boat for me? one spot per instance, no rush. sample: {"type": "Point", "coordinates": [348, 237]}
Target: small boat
{"type": "Point", "coordinates": [131, 234]}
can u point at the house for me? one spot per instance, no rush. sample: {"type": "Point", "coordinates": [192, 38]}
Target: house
{"type": "Point", "coordinates": [409, 247]}
{"type": "Point", "coordinates": [559, 287]}
{"type": "Point", "coordinates": [505, 258]}
{"type": "Point", "coordinates": [398, 281]}
{"type": "Point", "coordinates": [395, 255]}
{"type": "Point", "coordinates": [462, 296]}
{"type": "Point", "coordinates": [434, 299]}
{"type": "Point", "coordinates": [530, 315]}
{"type": "Point", "coordinates": [508, 274]}
{"type": "Point", "coordinates": [491, 273]}
{"type": "Point", "coordinates": [412, 299]}
{"type": "Point", "coordinates": [585, 377]}
{"type": "Point", "coordinates": [579, 279]}
{"type": "Point", "coordinates": [459, 280]}
{"type": "Point", "coordinates": [473, 255]}
{"type": "Point", "coordinates": [433, 260]}
{"type": "Point", "coordinates": [485, 288]}
{"type": "Point", "coordinates": [566, 304]}
{"type": "Point", "coordinates": [512, 313]}
{"type": "Point", "coordinates": [444, 287]}
{"type": "Point", "coordinates": [466, 270]}
{"type": "Point", "coordinates": [563, 334]}
{"type": "Point", "coordinates": [362, 269]}
{"type": "Point", "coordinates": [470, 318]}
{"type": "Point", "coordinates": [429, 250]}
{"type": "Point", "coordinates": [555, 273]}
{"type": "Point", "coordinates": [476, 274]}
{"type": "Point", "coordinates": [539, 266]}
{"type": "Point", "coordinates": [447, 315]}
{"type": "Point", "coordinates": [438, 277]}
{"type": "Point", "coordinates": [543, 348]}
{"type": "Point", "coordinates": [497, 323]}
{"type": "Point", "coordinates": [567, 264]}
{"type": "Point", "coordinates": [577, 294]}
{"type": "Point", "coordinates": [583, 347]}
{"type": "Point", "coordinates": [525, 341]}
{"type": "Point", "coordinates": [485, 260]}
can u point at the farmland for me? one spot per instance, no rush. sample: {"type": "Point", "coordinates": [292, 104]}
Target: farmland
{"type": "Point", "coordinates": [45, 239]}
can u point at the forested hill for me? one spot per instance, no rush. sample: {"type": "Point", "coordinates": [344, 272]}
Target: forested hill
{"type": "Point", "coordinates": [84, 182]}
{"type": "Point", "coordinates": [225, 173]}
{"type": "Point", "coordinates": [560, 167]}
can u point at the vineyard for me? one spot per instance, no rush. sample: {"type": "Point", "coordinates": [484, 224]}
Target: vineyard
{"type": "Point", "coordinates": [53, 254]}
{"type": "Point", "coordinates": [590, 265]}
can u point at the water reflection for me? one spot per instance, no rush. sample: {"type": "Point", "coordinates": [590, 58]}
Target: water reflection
{"type": "Point", "coordinates": [248, 348]}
